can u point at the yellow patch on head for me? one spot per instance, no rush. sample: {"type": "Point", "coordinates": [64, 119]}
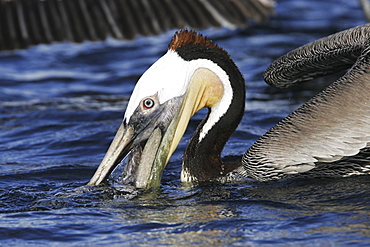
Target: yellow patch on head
{"type": "Point", "coordinates": [205, 90]}
{"type": "Point", "coordinates": [214, 89]}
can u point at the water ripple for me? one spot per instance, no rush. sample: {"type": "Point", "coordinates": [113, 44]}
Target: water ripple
{"type": "Point", "coordinates": [61, 104]}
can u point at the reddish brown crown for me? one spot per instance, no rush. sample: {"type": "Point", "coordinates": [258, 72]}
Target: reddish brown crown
{"type": "Point", "coordinates": [186, 37]}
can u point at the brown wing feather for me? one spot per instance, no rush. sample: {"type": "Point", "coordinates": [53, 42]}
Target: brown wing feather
{"type": "Point", "coordinates": [321, 57]}
{"type": "Point", "coordinates": [24, 23]}
{"type": "Point", "coordinates": [333, 125]}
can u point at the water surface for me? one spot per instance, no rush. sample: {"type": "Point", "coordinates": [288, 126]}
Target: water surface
{"type": "Point", "coordinates": [60, 106]}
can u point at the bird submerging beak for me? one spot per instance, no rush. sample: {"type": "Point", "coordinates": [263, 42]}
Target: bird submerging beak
{"type": "Point", "coordinates": [329, 136]}
{"type": "Point", "coordinates": [189, 77]}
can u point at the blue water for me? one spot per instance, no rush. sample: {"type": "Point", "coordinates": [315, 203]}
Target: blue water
{"type": "Point", "coordinates": [61, 104]}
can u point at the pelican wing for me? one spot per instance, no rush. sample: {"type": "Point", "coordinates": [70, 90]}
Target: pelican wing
{"type": "Point", "coordinates": [318, 58]}
{"type": "Point", "coordinates": [332, 126]}
{"type": "Point", "coordinates": [24, 22]}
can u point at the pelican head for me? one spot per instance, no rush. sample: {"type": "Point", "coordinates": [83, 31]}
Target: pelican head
{"type": "Point", "coordinates": [193, 74]}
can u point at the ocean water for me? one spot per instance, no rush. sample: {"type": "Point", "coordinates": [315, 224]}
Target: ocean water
{"type": "Point", "coordinates": [60, 106]}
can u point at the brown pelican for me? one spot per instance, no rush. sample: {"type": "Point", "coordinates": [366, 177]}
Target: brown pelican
{"type": "Point", "coordinates": [29, 22]}
{"type": "Point", "coordinates": [327, 136]}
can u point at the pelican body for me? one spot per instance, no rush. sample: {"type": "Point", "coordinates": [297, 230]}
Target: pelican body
{"type": "Point", "coordinates": [327, 136]}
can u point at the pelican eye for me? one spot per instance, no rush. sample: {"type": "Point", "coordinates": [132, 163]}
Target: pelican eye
{"type": "Point", "coordinates": [148, 103]}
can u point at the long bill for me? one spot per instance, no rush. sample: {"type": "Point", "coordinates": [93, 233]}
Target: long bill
{"type": "Point", "coordinates": [147, 159]}
{"type": "Point", "coordinates": [119, 148]}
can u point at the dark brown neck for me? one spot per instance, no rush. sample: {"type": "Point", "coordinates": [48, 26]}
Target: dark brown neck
{"type": "Point", "coordinates": [202, 158]}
